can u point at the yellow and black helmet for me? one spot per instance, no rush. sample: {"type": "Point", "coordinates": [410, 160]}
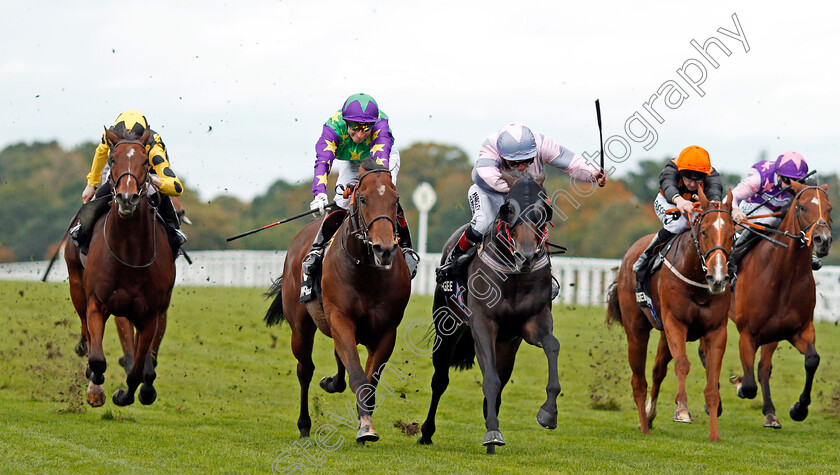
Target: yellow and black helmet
{"type": "Point", "coordinates": [130, 124]}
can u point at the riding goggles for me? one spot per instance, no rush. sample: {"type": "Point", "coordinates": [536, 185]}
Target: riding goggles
{"type": "Point", "coordinates": [359, 126]}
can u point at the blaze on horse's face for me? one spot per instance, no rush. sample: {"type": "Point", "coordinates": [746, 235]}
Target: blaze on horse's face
{"type": "Point", "coordinates": [525, 216]}
{"type": "Point", "coordinates": [376, 201]}
{"type": "Point", "coordinates": [715, 235]}
{"type": "Point", "coordinates": [813, 216]}
{"type": "Point", "coordinates": [129, 171]}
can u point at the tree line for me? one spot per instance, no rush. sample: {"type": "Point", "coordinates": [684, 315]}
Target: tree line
{"type": "Point", "coordinates": [40, 191]}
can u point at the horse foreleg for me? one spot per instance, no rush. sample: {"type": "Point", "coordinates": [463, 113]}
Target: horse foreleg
{"type": "Point", "coordinates": [95, 372]}
{"type": "Point", "coordinates": [675, 333]}
{"type": "Point", "coordinates": [441, 358]}
{"type": "Point", "coordinates": [541, 335]}
{"type": "Point", "coordinates": [145, 335]}
{"type": "Point", "coordinates": [765, 368]}
{"type": "Point", "coordinates": [637, 342]}
{"type": "Point", "coordinates": [302, 340]}
{"type": "Point", "coordinates": [804, 342]}
{"type": "Point", "coordinates": [715, 347]}
{"type": "Point", "coordinates": [375, 365]}
{"type": "Point", "coordinates": [746, 386]}
{"type": "Point", "coordinates": [337, 383]}
{"type": "Point", "coordinates": [484, 334]}
{"type": "Point", "coordinates": [344, 335]}
{"type": "Point", "coordinates": [660, 370]}
{"type": "Point", "coordinates": [505, 358]}
{"type": "Point", "coordinates": [125, 330]}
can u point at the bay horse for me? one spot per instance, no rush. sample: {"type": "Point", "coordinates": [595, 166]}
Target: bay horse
{"type": "Point", "coordinates": [508, 301]}
{"type": "Point", "coordinates": [689, 310]}
{"type": "Point", "coordinates": [775, 297]}
{"type": "Point", "coordinates": [129, 272]}
{"type": "Point", "coordinates": [365, 287]}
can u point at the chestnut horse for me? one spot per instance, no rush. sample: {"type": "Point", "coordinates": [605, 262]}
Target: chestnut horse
{"type": "Point", "coordinates": [688, 309]}
{"type": "Point", "coordinates": [775, 298]}
{"type": "Point", "coordinates": [365, 288]}
{"type": "Point", "coordinates": [509, 300]}
{"type": "Point", "coordinates": [129, 272]}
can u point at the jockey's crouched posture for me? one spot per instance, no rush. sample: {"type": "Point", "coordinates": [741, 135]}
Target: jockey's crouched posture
{"type": "Point", "coordinates": [130, 125]}
{"type": "Point", "coordinates": [678, 185]}
{"type": "Point", "coordinates": [766, 192]}
{"type": "Point", "coordinates": [358, 131]}
{"type": "Point", "coordinates": [514, 149]}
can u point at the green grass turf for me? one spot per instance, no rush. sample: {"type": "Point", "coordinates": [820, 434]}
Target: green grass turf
{"type": "Point", "coordinates": [228, 402]}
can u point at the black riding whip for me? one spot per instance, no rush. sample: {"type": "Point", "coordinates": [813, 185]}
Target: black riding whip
{"type": "Point", "coordinates": [600, 133]}
{"type": "Point", "coordinates": [285, 220]}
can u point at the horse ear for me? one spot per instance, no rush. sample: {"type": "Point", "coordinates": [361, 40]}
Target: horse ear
{"type": "Point", "coordinates": [728, 200]}
{"type": "Point", "coordinates": [824, 187]}
{"type": "Point", "coordinates": [111, 137]}
{"type": "Point", "coordinates": [508, 178]}
{"type": "Point", "coordinates": [145, 137]}
{"type": "Point", "coordinates": [541, 178]}
{"type": "Point", "coordinates": [704, 202]}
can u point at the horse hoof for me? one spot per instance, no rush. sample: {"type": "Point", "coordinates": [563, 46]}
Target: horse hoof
{"type": "Point", "coordinates": [493, 437]}
{"type": "Point", "coordinates": [329, 384]}
{"type": "Point", "coordinates": [682, 416]}
{"type": "Point", "coordinates": [96, 397]}
{"type": "Point", "coordinates": [122, 397]}
{"type": "Point", "coordinates": [81, 347]}
{"type": "Point", "coordinates": [547, 420]}
{"type": "Point", "coordinates": [772, 422]}
{"type": "Point", "coordinates": [147, 394]}
{"type": "Point", "coordinates": [366, 434]}
{"type": "Point", "coordinates": [424, 441]}
{"type": "Point", "coordinates": [799, 412]}
{"type": "Point", "coordinates": [736, 381]}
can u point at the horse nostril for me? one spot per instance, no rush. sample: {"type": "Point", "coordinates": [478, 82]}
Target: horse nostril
{"type": "Point", "coordinates": [135, 198]}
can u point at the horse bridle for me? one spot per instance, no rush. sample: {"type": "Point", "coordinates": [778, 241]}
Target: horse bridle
{"type": "Point", "coordinates": [361, 228]}
{"type": "Point", "coordinates": [141, 187]}
{"type": "Point", "coordinates": [805, 235]}
{"type": "Point", "coordinates": [503, 230]}
{"type": "Point", "coordinates": [694, 235]}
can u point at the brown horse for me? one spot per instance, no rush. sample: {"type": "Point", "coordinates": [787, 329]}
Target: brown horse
{"type": "Point", "coordinates": [509, 300]}
{"type": "Point", "coordinates": [365, 289]}
{"type": "Point", "coordinates": [129, 272]}
{"type": "Point", "coordinates": [775, 298]}
{"type": "Point", "coordinates": [688, 309]}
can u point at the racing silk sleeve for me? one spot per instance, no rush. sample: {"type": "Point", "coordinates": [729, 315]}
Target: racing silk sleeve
{"type": "Point", "coordinates": [669, 182]}
{"type": "Point", "coordinates": [170, 184]}
{"type": "Point", "coordinates": [551, 153]}
{"type": "Point", "coordinates": [325, 154]}
{"type": "Point", "coordinates": [747, 187]}
{"type": "Point", "coordinates": [100, 158]}
{"type": "Point", "coordinates": [712, 186]}
{"type": "Point", "coordinates": [381, 141]}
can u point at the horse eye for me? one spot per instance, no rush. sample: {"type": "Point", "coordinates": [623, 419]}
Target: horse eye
{"type": "Point", "coordinates": [362, 200]}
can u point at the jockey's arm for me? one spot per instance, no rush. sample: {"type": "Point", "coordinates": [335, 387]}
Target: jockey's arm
{"type": "Point", "coordinates": [551, 153]}
{"type": "Point", "coordinates": [170, 184]}
{"type": "Point", "coordinates": [324, 156]}
{"type": "Point", "coordinates": [381, 142]}
{"type": "Point", "coordinates": [100, 158]}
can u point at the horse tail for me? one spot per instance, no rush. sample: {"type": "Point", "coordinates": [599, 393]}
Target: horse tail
{"type": "Point", "coordinates": [464, 355]}
{"type": "Point", "coordinates": [274, 314]}
{"type": "Point", "coordinates": [613, 310]}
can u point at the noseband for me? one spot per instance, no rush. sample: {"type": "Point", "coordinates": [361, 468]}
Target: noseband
{"type": "Point", "coordinates": [695, 228]}
{"type": "Point", "coordinates": [806, 234]}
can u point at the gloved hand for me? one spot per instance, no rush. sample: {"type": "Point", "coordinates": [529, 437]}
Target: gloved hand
{"type": "Point", "coordinates": [319, 203]}
{"type": "Point", "coordinates": [738, 215]}
{"type": "Point", "coordinates": [685, 206]}
{"type": "Point", "coordinates": [88, 193]}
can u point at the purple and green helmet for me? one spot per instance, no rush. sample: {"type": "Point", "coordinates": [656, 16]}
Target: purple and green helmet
{"type": "Point", "coordinates": [791, 165]}
{"type": "Point", "coordinates": [360, 108]}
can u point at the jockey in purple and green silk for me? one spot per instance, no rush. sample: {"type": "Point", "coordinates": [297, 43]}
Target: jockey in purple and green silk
{"type": "Point", "coordinates": [764, 192]}
{"type": "Point", "coordinates": [358, 131]}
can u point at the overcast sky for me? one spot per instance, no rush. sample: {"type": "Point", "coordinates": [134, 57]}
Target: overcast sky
{"type": "Point", "coordinates": [239, 90]}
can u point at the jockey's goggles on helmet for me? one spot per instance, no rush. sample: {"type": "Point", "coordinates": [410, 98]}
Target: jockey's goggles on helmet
{"type": "Point", "coordinates": [514, 163]}
{"type": "Point", "coordinates": [359, 126]}
{"type": "Point", "coordinates": [692, 175]}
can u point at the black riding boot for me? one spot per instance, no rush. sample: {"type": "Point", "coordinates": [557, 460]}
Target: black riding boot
{"type": "Point", "coordinates": [404, 235]}
{"type": "Point", "coordinates": [310, 265]}
{"type": "Point", "coordinates": [641, 267]}
{"type": "Point", "coordinates": [173, 224]}
{"type": "Point", "coordinates": [458, 256]}
{"type": "Point", "coordinates": [90, 213]}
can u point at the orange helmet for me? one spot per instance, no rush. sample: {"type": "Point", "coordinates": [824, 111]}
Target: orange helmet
{"type": "Point", "coordinates": [694, 158]}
